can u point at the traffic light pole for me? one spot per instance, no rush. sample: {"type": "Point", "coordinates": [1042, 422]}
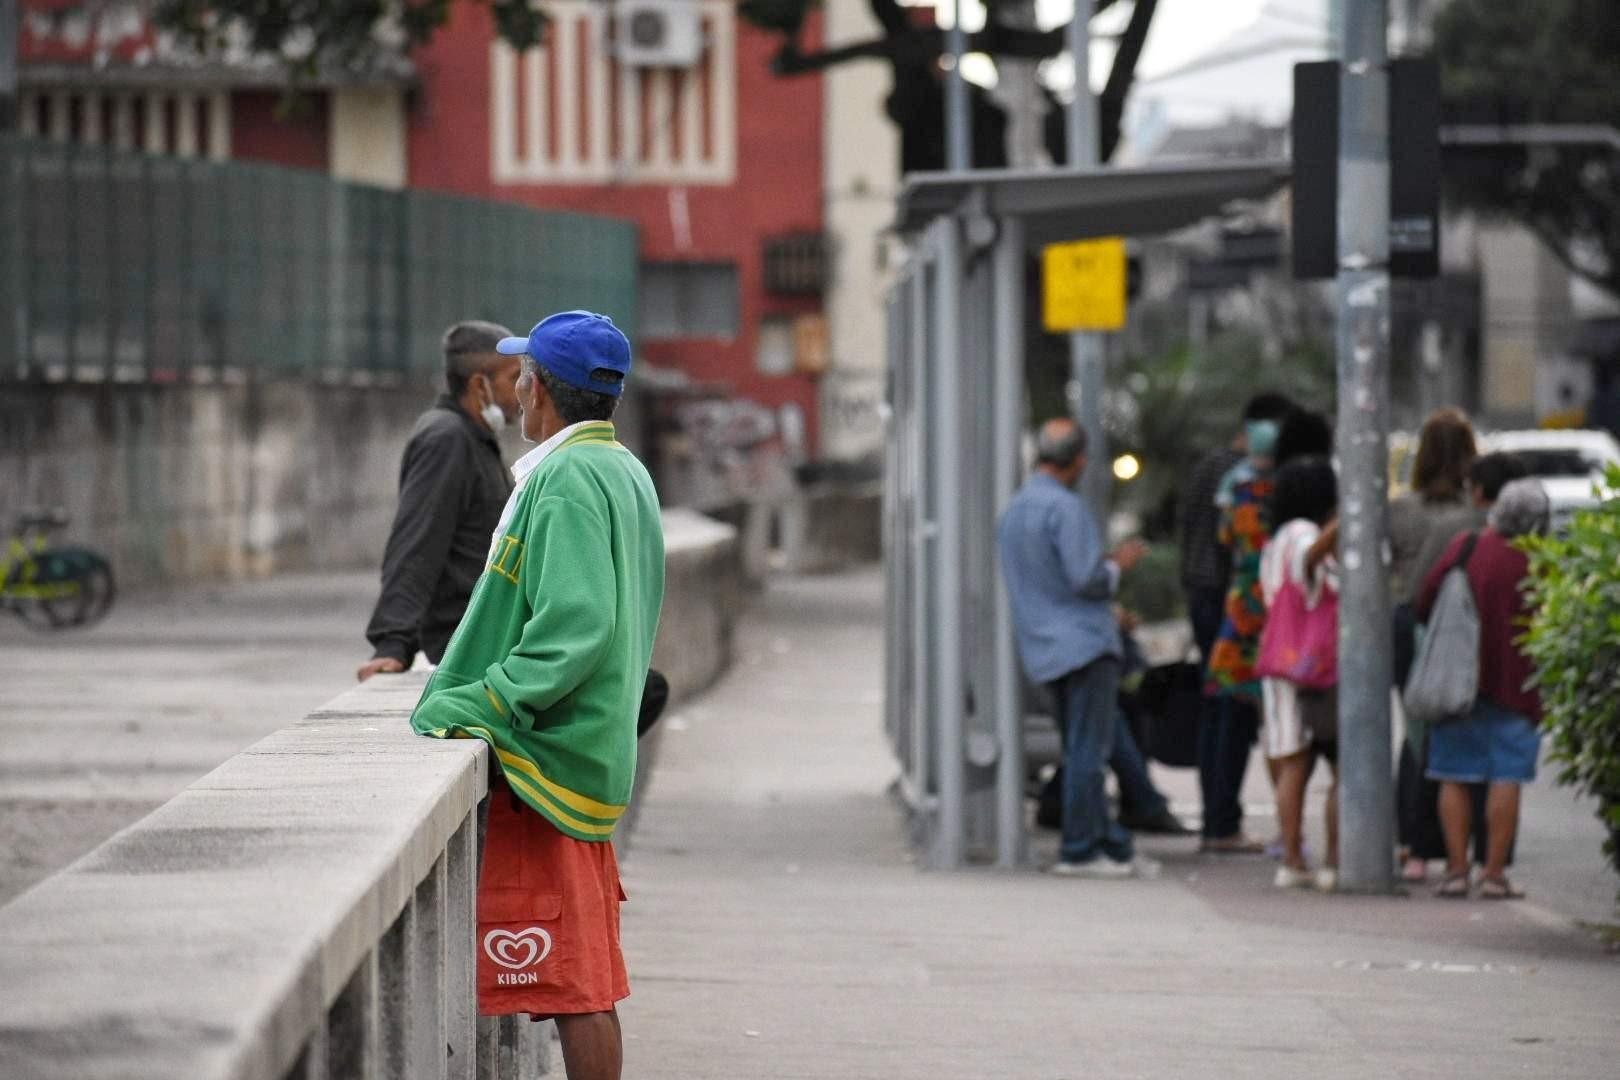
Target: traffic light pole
{"type": "Point", "coordinates": [958, 118]}
{"type": "Point", "coordinates": [1366, 796]}
{"type": "Point", "coordinates": [1087, 374]}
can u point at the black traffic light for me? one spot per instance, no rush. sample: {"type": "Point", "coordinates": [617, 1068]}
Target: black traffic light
{"type": "Point", "coordinates": [1414, 168]}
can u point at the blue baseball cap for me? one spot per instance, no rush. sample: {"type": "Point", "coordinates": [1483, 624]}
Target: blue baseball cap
{"type": "Point", "coordinates": [573, 344]}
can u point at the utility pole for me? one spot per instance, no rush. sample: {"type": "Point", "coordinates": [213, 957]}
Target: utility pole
{"type": "Point", "coordinates": [958, 121]}
{"type": "Point", "coordinates": [1366, 798]}
{"type": "Point", "coordinates": [1086, 354]}
{"type": "Point", "coordinates": [1018, 89]}
{"type": "Point", "coordinates": [10, 31]}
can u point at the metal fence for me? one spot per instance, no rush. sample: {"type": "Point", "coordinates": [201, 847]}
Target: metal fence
{"type": "Point", "coordinates": [128, 267]}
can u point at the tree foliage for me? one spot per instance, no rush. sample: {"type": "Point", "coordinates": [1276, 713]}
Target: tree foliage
{"type": "Point", "coordinates": [1551, 62]}
{"type": "Point", "coordinates": [1574, 640]}
{"type": "Point", "coordinates": [333, 35]}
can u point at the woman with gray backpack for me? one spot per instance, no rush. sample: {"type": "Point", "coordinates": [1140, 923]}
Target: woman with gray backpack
{"type": "Point", "coordinates": [1469, 684]}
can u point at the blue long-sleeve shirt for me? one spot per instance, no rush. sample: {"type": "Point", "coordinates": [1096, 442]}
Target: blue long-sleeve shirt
{"type": "Point", "coordinates": [1059, 579]}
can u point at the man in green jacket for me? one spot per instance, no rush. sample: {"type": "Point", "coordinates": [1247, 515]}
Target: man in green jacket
{"type": "Point", "coordinates": [548, 666]}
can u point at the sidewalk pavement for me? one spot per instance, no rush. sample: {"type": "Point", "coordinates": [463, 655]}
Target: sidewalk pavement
{"type": "Point", "coordinates": [780, 928]}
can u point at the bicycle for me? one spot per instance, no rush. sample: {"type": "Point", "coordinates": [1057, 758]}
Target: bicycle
{"type": "Point", "coordinates": [53, 588]}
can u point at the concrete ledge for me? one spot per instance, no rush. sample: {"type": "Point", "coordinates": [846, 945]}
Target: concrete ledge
{"type": "Point", "coordinates": [295, 911]}
{"type": "Point", "coordinates": [702, 593]}
{"type": "Point", "coordinates": [211, 938]}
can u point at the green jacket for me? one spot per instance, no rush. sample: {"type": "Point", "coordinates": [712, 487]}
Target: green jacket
{"type": "Point", "coordinates": [549, 662]}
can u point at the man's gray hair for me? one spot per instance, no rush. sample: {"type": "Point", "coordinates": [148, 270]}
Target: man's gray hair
{"type": "Point", "coordinates": [1059, 444]}
{"type": "Point", "coordinates": [573, 404]}
{"type": "Point", "coordinates": [1521, 509]}
{"type": "Point", "coordinates": [467, 346]}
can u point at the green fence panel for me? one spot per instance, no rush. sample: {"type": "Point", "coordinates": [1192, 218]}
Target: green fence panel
{"type": "Point", "coordinates": [132, 267]}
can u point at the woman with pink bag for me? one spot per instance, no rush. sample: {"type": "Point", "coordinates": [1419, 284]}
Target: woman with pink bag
{"type": "Point", "coordinates": [1298, 661]}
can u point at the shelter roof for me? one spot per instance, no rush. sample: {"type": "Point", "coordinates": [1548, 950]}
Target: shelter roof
{"type": "Point", "coordinates": [1065, 204]}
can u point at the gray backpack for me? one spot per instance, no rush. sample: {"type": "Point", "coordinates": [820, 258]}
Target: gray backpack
{"type": "Point", "coordinates": [1445, 676]}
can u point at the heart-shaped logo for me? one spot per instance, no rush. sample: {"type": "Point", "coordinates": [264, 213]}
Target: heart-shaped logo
{"type": "Point", "coordinates": [525, 948]}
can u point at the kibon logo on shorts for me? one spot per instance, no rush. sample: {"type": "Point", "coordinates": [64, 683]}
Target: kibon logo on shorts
{"type": "Point", "coordinates": [517, 952]}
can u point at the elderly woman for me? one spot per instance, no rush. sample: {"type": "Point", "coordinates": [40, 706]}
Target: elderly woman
{"type": "Point", "coordinates": [1497, 743]}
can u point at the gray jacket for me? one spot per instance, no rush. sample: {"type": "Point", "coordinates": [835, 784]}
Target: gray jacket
{"type": "Point", "coordinates": [452, 486]}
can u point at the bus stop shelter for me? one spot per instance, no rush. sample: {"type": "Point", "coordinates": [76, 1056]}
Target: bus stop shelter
{"type": "Point", "coordinates": [953, 700]}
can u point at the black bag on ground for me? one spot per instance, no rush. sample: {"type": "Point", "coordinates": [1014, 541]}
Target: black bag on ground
{"type": "Point", "coordinates": [1165, 712]}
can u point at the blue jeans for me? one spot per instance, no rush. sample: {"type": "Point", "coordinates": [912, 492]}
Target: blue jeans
{"type": "Point", "coordinates": [1137, 795]}
{"type": "Point", "coordinates": [1088, 708]}
{"type": "Point", "coordinates": [1225, 739]}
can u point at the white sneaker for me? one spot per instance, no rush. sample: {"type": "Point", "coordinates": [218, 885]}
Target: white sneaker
{"type": "Point", "coordinates": [1289, 878]}
{"type": "Point", "coordinates": [1102, 867]}
{"type": "Point", "coordinates": [1327, 880]}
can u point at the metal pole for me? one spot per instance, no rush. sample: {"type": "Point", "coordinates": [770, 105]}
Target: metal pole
{"type": "Point", "coordinates": [949, 662]}
{"type": "Point", "coordinates": [1087, 377]}
{"type": "Point", "coordinates": [1007, 424]}
{"type": "Point", "coordinates": [1081, 126]}
{"type": "Point", "coordinates": [9, 33]}
{"type": "Point", "coordinates": [958, 120]}
{"type": "Point", "coordinates": [1366, 798]}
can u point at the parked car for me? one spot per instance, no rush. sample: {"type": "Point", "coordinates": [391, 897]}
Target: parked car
{"type": "Point", "coordinates": [1569, 463]}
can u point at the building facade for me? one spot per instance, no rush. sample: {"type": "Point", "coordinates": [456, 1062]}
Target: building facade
{"type": "Point", "coordinates": [661, 112]}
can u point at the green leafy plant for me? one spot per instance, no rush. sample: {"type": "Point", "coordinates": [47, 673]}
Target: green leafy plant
{"type": "Point", "coordinates": [1153, 589]}
{"type": "Point", "coordinates": [1574, 642]}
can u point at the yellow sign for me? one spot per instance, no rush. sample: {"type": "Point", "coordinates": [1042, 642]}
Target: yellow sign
{"type": "Point", "coordinates": [1084, 285]}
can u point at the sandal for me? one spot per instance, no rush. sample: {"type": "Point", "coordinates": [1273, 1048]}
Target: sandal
{"type": "Point", "coordinates": [1233, 845]}
{"type": "Point", "coordinates": [1499, 888]}
{"type": "Point", "coordinates": [1414, 871]}
{"type": "Point", "coordinates": [1454, 887]}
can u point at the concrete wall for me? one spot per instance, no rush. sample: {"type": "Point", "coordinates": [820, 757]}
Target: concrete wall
{"type": "Point", "coordinates": [205, 482]}
{"type": "Point", "coordinates": [196, 483]}
{"type": "Point", "coordinates": [832, 527]}
{"type": "Point", "coordinates": [1526, 313]}
{"type": "Point", "coordinates": [702, 596]}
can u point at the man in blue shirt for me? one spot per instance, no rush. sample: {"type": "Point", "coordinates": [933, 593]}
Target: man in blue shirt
{"type": "Point", "coordinates": [1061, 582]}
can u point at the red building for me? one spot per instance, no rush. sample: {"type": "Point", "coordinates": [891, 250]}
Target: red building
{"type": "Point", "coordinates": [660, 111]}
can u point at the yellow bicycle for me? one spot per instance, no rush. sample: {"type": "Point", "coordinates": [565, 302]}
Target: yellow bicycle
{"type": "Point", "coordinates": [53, 588]}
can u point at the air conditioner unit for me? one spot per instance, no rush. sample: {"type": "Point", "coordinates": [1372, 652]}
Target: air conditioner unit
{"type": "Point", "coordinates": [658, 33]}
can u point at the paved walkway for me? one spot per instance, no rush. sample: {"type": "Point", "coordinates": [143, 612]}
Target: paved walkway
{"type": "Point", "coordinates": [779, 928]}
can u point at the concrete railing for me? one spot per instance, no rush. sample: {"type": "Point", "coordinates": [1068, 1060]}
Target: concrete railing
{"type": "Point", "coordinates": [294, 913]}
{"type": "Point", "coordinates": [306, 910]}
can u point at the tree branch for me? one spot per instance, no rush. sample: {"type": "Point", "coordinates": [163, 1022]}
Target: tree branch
{"type": "Point", "coordinates": [1111, 105]}
{"type": "Point", "coordinates": [790, 61]}
{"type": "Point", "coordinates": [891, 16]}
{"type": "Point", "coordinates": [1555, 238]}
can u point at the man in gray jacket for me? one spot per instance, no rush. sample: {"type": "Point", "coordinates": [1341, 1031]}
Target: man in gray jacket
{"type": "Point", "coordinates": [452, 486]}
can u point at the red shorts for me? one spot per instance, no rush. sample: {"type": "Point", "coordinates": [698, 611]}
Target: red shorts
{"type": "Point", "coordinates": [548, 917]}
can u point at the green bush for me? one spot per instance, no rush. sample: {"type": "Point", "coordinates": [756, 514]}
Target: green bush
{"type": "Point", "coordinates": [1574, 641]}
{"type": "Point", "coordinates": [1152, 588]}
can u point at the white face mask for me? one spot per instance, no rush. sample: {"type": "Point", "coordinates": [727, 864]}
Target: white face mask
{"type": "Point", "coordinates": [494, 417]}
